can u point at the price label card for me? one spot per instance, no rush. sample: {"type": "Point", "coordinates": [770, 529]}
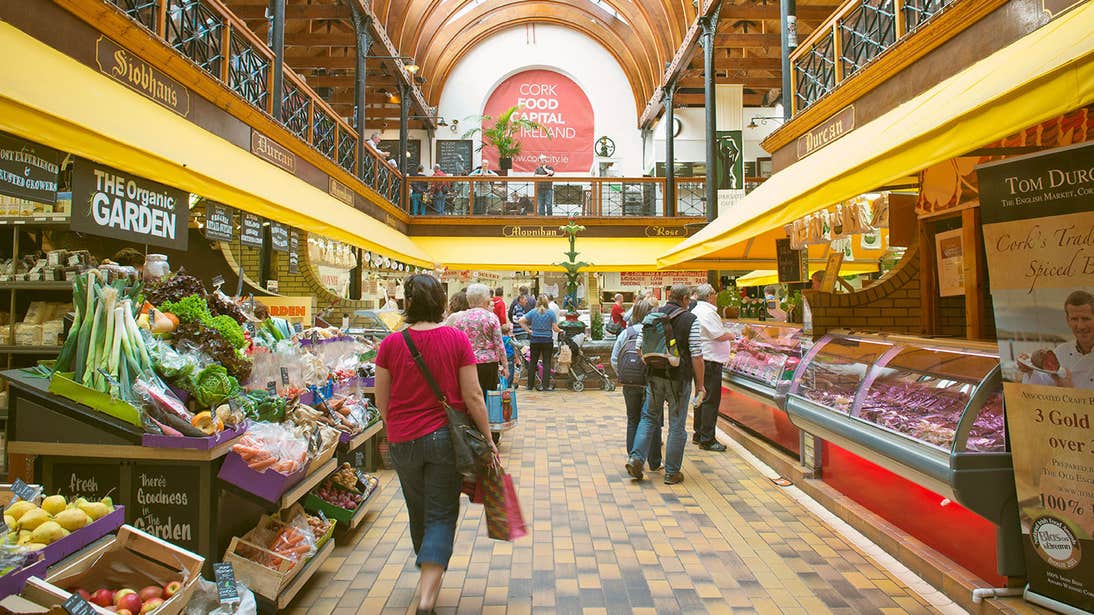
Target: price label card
{"type": "Point", "coordinates": [75, 605]}
{"type": "Point", "coordinates": [323, 516]}
{"type": "Point", "coordinates": [297, 327]}
{"type": "Point", "coordinates": [361, 478]}
{"type": "Point", "coordinates": [226, 582]}
{"type": "Point", "coordinates": [23, 491]}
{"type": "Point", "coordinates": [233, 405]}
{"type": "Point", "coordinates": [285, 376]}
{"type": "Point", "coordinates": [218, 281]}
{"type": "Point", "coordinates": [314, 337]}
{"type": "Point", "coordinates": [111, 379]}
{"type": "Point", "coordinates": [271, 387]}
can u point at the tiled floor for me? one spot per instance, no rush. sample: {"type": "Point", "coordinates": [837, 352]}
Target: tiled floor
{"type": "Point", "coordinates": [726, 540]}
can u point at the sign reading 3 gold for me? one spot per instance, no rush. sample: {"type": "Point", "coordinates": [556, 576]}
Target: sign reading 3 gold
{"type": "Point", "coordinates": [136, 74]}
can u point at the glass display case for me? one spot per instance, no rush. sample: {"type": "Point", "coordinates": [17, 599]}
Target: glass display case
{"type": "Point", "coordinates": [763, 357]}
{"type": "Point", "coordinates": [928, 410]}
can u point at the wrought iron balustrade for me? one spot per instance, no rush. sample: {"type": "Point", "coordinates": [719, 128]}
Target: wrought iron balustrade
{"type": "Point", "coordinates": [215, 40]}
{"type": "Point", "coordinates": [855, 35]}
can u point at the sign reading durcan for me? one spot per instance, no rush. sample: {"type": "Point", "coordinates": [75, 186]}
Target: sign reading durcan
{"type": "Point", "coordinates": [112, 203]}
{"type": "Point", "coordinates": [828, 131]}
{"type": "Point", "coordinates": [270, 151]}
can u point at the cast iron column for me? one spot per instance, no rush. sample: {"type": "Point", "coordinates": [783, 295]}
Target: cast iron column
{"type": "Point", "coordinates": [361, 23]}
{"type": "Point", "coordinates": [788, 26]}
{"type": "Point", "coordinates": [710, 29]}
{"type": "Point", "coordinates": [670, 175]}
{"type": "Point", "coordinates": [355, 276]}
{"type": "Point", "coordinates": [277, 36]}
{"type": "Point", "coordinates": [404, 125]}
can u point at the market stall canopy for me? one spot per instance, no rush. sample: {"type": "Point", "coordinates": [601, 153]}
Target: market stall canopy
{"type": "Point", "coordinates": [763, 277]}
{"type": "Point", "coordinates": [101, 119]}
{"type": "Point", "coordinates": [1043, 75]}
{"type": "Point", "coordinates": [759, 253]}
{"type": "Point", "coordinates": [542, 253]}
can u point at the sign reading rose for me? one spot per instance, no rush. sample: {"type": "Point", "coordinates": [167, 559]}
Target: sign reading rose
{"type": "Point", "coordinates": [563, 109]}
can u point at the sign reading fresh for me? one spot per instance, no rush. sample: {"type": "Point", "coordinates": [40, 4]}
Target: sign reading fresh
{"type": "Point", "coordinates": [561, 106]}
{"type": "Point", "coordinates": [112, 203]}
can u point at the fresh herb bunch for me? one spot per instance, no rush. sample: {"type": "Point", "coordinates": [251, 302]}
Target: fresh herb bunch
{"type": "Point", "coordinates": [188, 309]}
{"type": "Point", "coordinates": [174, 287]}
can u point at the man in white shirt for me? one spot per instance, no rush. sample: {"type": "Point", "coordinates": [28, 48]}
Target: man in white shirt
{"type": "Point", "coordinates": [374, 143]}
{"type": "Point", "coordinates": [715, 344]}
{"type": "Point", "coordinates": [1075, 358]}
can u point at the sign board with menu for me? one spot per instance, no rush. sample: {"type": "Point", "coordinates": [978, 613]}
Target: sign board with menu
{"type": "Point", "coordinates": [219, 222]}
{"type": "Point", "coordinates": [793, 265]}
{"type": "Point", "coordinates": [250, 230]}
{"type": "Point", "coordinates": [28, 170]}
{"type": "Point", "coordinates": [455, 157]}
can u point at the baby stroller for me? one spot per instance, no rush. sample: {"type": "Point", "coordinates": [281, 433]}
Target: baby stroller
{"type": "Point", "coordinates": [581, 368]}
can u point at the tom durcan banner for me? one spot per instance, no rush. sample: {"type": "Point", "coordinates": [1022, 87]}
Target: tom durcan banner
{"type": "Point", "coordinates": [112, 203]}
{"type": "Point", "coordinates": [561, 106]}
{"type": "Point", "coordinates": [1038, 216]}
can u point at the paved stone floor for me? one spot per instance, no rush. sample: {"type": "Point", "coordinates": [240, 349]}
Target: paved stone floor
{"type": "Point", "coordinates": [726, 540]}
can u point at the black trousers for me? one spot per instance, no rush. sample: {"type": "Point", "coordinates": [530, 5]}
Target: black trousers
{"type": "Point", "coordinates": [488, 377]}
{"type": "Point", "coordinates": [707, 414]}
{"type": "Point", "coordinates": [544, 351]}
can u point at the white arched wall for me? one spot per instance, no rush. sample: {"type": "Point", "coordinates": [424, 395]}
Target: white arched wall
{"type": "Point", "coordinates": [554, 48]}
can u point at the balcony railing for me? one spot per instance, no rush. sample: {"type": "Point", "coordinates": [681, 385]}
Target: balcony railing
{"type": "Point", "coordinates": [607, 197]}
{"type": "Point", "coordinates": [856, 34]}
{"type": "Point", "coordinates": [216, 41]}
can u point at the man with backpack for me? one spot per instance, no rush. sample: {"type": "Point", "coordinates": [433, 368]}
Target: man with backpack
{"type": "Point", "coordinates": [631, 373]}
{"type": "Point", "coordinates": [669, 342]}
{"type": "Point", "coordinates": [715, 342]}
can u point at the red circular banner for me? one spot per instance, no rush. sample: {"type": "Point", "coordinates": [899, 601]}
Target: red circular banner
{"type": "Point", "coordinates": [563, 109]}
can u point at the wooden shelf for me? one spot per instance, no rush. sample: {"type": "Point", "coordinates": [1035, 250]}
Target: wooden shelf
{"type": "Point", "coordinates": [298, 490]}
{"type": "Point", "coordinates": [16, 349]}
{"type": "Point", "coordinates": [365, 506]}
{"type": "Point", "coordinates": [118, 451]}
{"type": "Point", "coordinates": [42, 220]}
{"type": "Point", "coordinates": [366, 435]}
{"type": "Point", "coordinates": [310, 568]}
{"type": "Point", "coordinates": [36, 285]}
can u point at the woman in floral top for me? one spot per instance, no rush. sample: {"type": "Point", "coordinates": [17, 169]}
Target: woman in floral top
{"type": "Point", "coordinates": [481, 326]}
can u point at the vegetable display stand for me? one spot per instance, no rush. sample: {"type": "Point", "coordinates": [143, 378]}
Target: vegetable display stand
{"type": "Point", "coordinates": [84, 536]}
{"type": "Point", "coordinates": [278, 579]}
{"type": "Point", "coordinates": [346, 518]}
{"type": "Point", "coordinates": [14, 580]}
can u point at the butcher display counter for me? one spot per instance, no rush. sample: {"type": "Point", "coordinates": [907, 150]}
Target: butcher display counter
{"type": "Point", "coordinates": [762, 357]}
{"type": "Point", "coordinates": [928, 410]}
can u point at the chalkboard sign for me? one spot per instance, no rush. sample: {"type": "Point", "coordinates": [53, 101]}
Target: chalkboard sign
{"type": "Point", "coordinates": [455, 156]}
{"type": "Point", "coordinates": [85, 480]}
{"type": "Point", "coordinates": [28, 170]}
{"type": "Point", "coordinates": [23, 491]}
{"type": "Point", "coordinates": [294, 251]}
{"type": "Point", "coordinates": [414, 146]}
{"type": "Point", "coordinates": [163, 501]}
{"type": "Point", "coordinates": [793, 265]}
{"type": "Point", "coordinates": [76, 605]}
{"type": "Point", "coordinates": [219, 222]}
{"type": "Point", "coordinates": [225, 576]}
{"type": "Point", "coordinates": [250, 230]}
{"type": "Point", "coordinates": [279, 237]}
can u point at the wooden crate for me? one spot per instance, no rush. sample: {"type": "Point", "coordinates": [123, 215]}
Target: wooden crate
{"type": "Point", "coordinates": [323, 457]}
{"type": "Point", "coordinates": [266, 581]}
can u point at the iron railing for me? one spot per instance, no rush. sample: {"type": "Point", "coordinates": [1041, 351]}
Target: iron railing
{"type": "Point", "coordinates": [560, 197]}
{"type": "Point", "coordinates": [208, 34]}
{"type": "Point", "coordinates": [855, 35]}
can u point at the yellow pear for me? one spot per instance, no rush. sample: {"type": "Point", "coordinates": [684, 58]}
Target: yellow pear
{"type": "Point", "coordinates": [32, 519]}
{"type": "Point", "coordinates": [95, 510]}
{"type": "Point", "coordinates": [54, 504]}
{"type": "Point", "coordinates": [24, 537]}
{"type": "Point", "coordinates": [72, 519]}
{"type": "Point", "coordinates": [34, 546]}
{"type": "Point", "coordinates": [10, 522]}
{"type": "Point", "coordinates": [47, 533]}
{"type": "Point", "coordinates": [20, 508]}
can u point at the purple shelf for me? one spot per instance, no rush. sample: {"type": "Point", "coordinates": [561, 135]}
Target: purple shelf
{"type": "Point", "coordinates": [269, 485]}
{"type": "Point", "coordinates": [204, 444]}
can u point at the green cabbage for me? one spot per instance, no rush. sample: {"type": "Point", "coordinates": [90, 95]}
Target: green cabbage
{"type": "Point", "coordinates": [213, 386]}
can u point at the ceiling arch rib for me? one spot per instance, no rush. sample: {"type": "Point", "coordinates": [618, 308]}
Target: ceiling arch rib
{"type": "Point", "coordinates": [461, 45]}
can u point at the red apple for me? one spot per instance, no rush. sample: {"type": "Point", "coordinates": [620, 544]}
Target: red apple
{"type": "Point", "coordinates": [84, 594]}
{"type": "Point", "coordinates": [151, 605]}
{"type": "Point", "coordinates": [122, 593]}
{"type": "Point", "coordinates": [131, 602]}
{"type": "Point", "coordinates": [171, 589]}
{"type": "Point", "coordinates": [152, 591]}
{"type": "Point", "coordinates": [103, 597]}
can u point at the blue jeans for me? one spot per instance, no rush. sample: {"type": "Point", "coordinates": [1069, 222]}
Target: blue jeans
{"type": "Point", "coordinates": [676, 394]}
{"type": "Point", "coordinates": [545, 200]}
{"type": "Point", "coordinates": [416, 207]}
{"type": "Point", "coordinates": [438, 202]}
{"type": "Point", "coordinates": [431, 488]}
{"type": "Point", "coordinates": [636, 397]}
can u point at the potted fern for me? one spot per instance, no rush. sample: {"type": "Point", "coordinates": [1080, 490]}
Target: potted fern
{"type": "Point", "coordinates": [503, 135]}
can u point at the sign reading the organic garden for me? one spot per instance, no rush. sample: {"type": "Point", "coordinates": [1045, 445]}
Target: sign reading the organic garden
{"type": "Point", "coordinates": [219, 222]}
{"type": "Point", "coordinates": [563, 109]}
{"type": "Point", "coordinates": [136, 74]}
{"type": "Point", "coordinates": [112, 203]}
{"type": "Point", "coordinates": [250, 230]}
{"type": "Point", "coordinates": [1038, 216]}
{"type": "Point", "coordinates": [28, 170]}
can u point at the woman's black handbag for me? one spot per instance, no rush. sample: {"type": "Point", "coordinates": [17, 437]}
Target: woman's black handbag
{"type": "Point", "coordinates": [470, 448]}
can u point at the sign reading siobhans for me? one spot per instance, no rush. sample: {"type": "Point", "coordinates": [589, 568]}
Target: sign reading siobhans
{"type": "Point", "coordinates": [557, 103]}
{"type": "Point", "coordinates": [140, 76]}
{"type": "Point", "coordinates": [1038, 216]}
{"type": "Point", "coordinates": [28, 170]}
{"type": "Point", "coordinates": [112, 203]}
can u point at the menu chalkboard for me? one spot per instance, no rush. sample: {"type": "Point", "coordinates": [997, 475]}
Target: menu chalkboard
{"type": "Point", "coordinates": [414, 146]}
{"type": "Point", "coordinates": [219, 222]}
{"type": "Point", "coordinates": [279, 237]}
{"type": "Point", "coordinates": [294, 251]}
{"type": "Point", "coordinates": [455, 156]}
{"type": "Point", "coordinates": [164, 502]}
{"type": "Point", "coordinates": [793, 265]}
{"type": "Point", "coordinates": [250, 230]}
{"type": "Point", "coordinates": [87, 480]}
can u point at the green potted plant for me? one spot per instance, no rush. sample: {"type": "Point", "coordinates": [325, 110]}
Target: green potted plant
{"type": "Point", "coordinates": [597, 325]}
{"type": "Point", "coordinates": [503, 135]}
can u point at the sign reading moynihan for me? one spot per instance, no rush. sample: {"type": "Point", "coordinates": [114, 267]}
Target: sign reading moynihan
{"type": "Point", "coordinates": [268, 150]}
{"type": "Point", "coordinates": [530, 231]}
{"type": "Point", "coordinates": [828, 131]}
{"type": "Point", "coordinates": [28, 170]}
{"type": "Point", "coordinates": [339, 191]}
{"type": "Point", "coordinates": [127, 69]}
{"type": "Point", "coordinates": [112, 203]}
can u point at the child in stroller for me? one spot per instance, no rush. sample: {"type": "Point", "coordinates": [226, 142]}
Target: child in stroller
{"type": "Point", "coordinates": [580, 367]}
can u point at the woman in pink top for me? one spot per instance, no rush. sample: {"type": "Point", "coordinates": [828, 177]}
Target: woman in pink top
{"type": "Point", "coordinates": [483, 329]}
{"type": "Point", "coordinates": [417, 426]}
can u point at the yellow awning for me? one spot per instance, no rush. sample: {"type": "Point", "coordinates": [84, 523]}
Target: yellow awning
{"type": "Point", "coordinates": [1043, 75]}
{"type": "Point", "coordinates": [525, 253]}
{"type": "Point", "coordinates": [47, 97]}
{"type": "Point", "coordinates": [763, 277]}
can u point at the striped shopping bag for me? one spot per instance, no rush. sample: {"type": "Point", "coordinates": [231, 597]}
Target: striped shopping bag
{"type": "Point", "coordinates": [504, 520]}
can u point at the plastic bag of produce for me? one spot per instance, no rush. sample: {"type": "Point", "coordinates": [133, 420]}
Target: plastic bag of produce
{"type": "Point", "coordinates": [206, 601]}
{"type": "Point", "coordinates": [163, 409]}
{"type": "Point", "coordinates": [272, 446]}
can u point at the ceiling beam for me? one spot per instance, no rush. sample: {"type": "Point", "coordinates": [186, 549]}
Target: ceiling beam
{"type": "Point", "coordinates": [326, 62]}
{"type": "Point", "coordinates": [748, 82]}
{"type": "Point", "coordinates": [296, 11]}
{"type": "Point", "coordinates": [771, 12]}
{"type": "Point", "coordinates": [736, 39]}
{"type": "Point", "coordinates": [323, 39]}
